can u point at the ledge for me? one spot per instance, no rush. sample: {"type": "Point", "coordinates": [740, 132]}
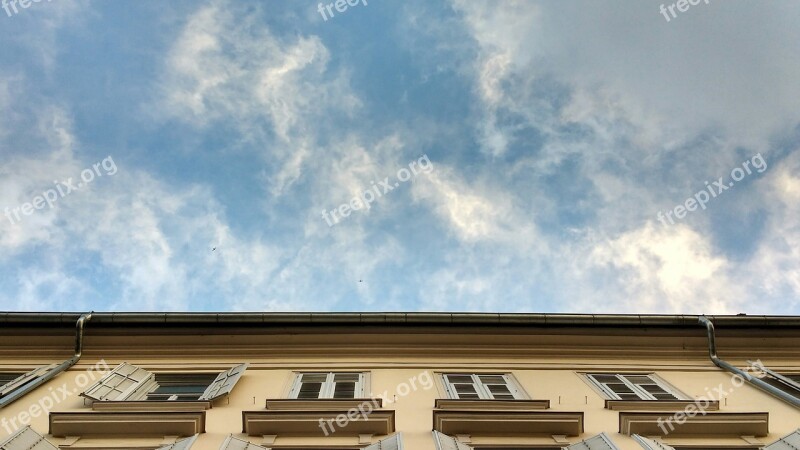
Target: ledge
{"type": "Point", "coordinates": [710, 424]}
{"type": "Point", "coordinates": [332, 404]}
{"type": "Point", "coordinates": [508, 423]}
{"type": "Point", "coordinates": [194, 406]}
{"type": "Point", "coordinates": [307, 423]}
{"type": "Point", "coordinates": [127, 423]}
{"type": "Point", "coordinates": [484, 405]}
{"type": "Point", "coordinates": [656, 405]}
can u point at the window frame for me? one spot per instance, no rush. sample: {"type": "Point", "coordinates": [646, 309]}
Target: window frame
{"type": "Point", "coordinates": [24, 379]}
{"type": "Point", "coordinates": [514, 387]}
{"type": "Point", "coordinates": [783, 381]}
{"type": "Point", "coordinates": [130, 383]}
{"type": "Point", "coordinates": [145, 395]}
{"type": "Point", "coordinates": [328, 388]}
{"type": "Point", "coordinates": [13, 376]}
{"type": "Point", "coordinates": [643, 395]}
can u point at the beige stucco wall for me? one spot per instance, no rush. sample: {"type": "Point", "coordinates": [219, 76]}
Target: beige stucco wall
{"type": "Point", "coordinates": [542, 377]}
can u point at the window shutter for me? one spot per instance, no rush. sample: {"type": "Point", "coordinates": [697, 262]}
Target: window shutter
{"type": "Point", "coordinates": [650, 387]}
{"type": "Point", "coordinates": [232, 443]}
{"type": "Point", "coordinates": [788, 442]}
{"type": "Point", "coordinates": [598, 442]}
{"type": "Point", "coordinates": [391, 443]}
{"type": "Point", "coordinates": [345, 385]}
{"type": "Point", "coordinates": [513, 388]}
{"type": "Point", "coordinates": [463, 386]}
{"type": "Point", "coordinates": [120, 384]}
{"type": "Point", "coordinates": [784, 380]}
{"type": "Point", "coordinates": [27, 439]}
{"type": "Point", "coordinates": [180, 444]}
{"type": "Point", "coordinates": [224, 383]}
{"type": "Point", "coordinates": [445, 442]}
{"type": "Point", "coordinates": [650, 444]}
{"type": "Point", "coordinates": [23, 379]}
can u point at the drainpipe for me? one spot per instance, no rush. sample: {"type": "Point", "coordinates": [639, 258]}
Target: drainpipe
{"type": "Point", "coordinates": [5, 401]}
{"type": "Point", "coordinates": [757, 382]}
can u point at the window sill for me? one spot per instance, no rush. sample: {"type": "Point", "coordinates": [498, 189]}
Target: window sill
{"type": "Point", "coordinates": [484, 405]}
{"type": "Point", "coordinates": [127, 423]}
{"type": "Point", "coordinates": [508, 423]}
{"type": "Point", "coordinates": [710, 424]}
{"type": "Point", "coordinates": [307, 423]}
{"type": "Point", "coordinates": [656, 405]}
{"type": "Point", "coordinates": [194, 406]}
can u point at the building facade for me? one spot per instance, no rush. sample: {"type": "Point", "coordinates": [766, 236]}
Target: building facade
{"type": "Point", "coordinates": [419, 381]}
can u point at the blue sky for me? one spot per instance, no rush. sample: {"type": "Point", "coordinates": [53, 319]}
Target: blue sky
{"type": "Point", "coordinates": [208, 137]}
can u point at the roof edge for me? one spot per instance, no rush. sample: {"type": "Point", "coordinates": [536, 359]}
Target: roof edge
{"type": "Point", "coordinates": [397, 318]}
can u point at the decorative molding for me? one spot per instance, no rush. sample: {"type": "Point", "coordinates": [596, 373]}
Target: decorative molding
{"type": "Point", "coordinates": [132, 406]}
{"type": "Point", "coordinates": [307, 423]}
{"type": "Point", "coordinates": [364, 438]}
{"type": "Point", "coordinates": [332, 404]}
{"type": "Point", "coordinates": [752, 440]}
{"type": "Point", "coordinates": [657, 405]}
{"type": "Point", "coordinates": [489, 405]}
{"type": "Point", "coordinates": [560, 439]}
{"type": "Point", "coordinates": [711, 424]}
{"type": "Point", "coordinates": [169, 440]}
{"type": "Point", "coordinates": [119, 423]}
{"type": "Point", "coordinates": [508, 423]}
{"type": "Point", "coordinates": [69, 440]}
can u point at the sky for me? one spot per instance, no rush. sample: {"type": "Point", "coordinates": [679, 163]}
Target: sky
{"type": "Point", "coordinates": [571, 156]}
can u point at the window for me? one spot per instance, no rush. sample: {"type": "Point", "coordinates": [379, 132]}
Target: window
{"type": "Point", "coordinates": [9, 382]}
{"type": "Point", "coordinates": [128, 382]}
{"type": "Point", "coordinates": [6, 377]}
{"type": "Point", "coordinates": [329, 385]}
{"type": "Point", "coordinates": [180, 387]}
{"type": "Point", "coordinates": [633, 387]}
{"type": "Point", "coordinates": [482, 386]}
{"type": "Point", "coordinates": [785, 382]}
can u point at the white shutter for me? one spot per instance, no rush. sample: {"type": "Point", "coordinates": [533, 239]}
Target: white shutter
{"type": "Point", "coordinates": [27, 439]}
{"type": "Point", "coordinates": [232, 443]}
{"type": "Point", "coordinates": [224, 383]}
{"type": "Point", "coordinates": [120, 384]}
{"type": "Point", "coordinates": [180, 444]}
{"type": "Point", "coordinates": [445, 442]}
{"type": "Point", "coordinates": [788, 442]}
{"type": "Point", "coordinates": [391, 443]}
{"type": "Point", "coordinates": [24, 379]}
{"type": "Point", "coordinates": [598, 442]}
{"type": "Point", "coordinates": [650, 444]}
{"type": "Point", "coordinates": [469, 389]}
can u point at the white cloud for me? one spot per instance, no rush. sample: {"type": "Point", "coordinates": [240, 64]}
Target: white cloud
{"type": "Point", "coordinates": [774, 271]}
{"type": "Point", "coordinates": [694, 73]}
{"type": "Point", "coordinates": [661, 269]}
{"type": "Point", "coordinates": [227, 67]}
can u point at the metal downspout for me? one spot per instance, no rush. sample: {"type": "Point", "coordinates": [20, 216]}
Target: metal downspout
{"type": "Point", "coordinates": [757, 382]}
{"type": "Point", "coordinates": [79, 325]}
